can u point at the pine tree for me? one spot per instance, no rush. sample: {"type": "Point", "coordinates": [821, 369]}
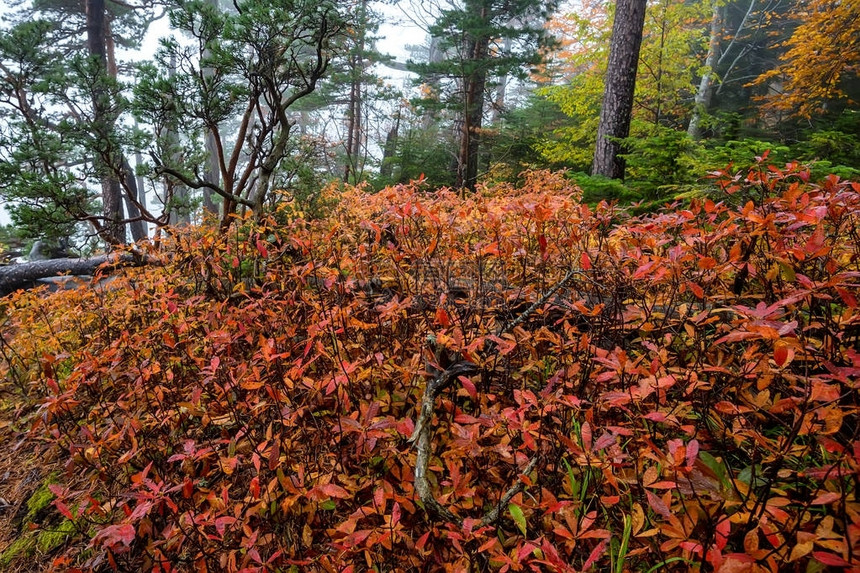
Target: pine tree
{"type": "Point", "coordinates": [61, 101]}
{"type": "Point", "coordinates": [481, 41]}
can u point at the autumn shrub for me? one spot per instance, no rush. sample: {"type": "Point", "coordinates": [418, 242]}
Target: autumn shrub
{"type": "Point", "coordinates": [422, 382]}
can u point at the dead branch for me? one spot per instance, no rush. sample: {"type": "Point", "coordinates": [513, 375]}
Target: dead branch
{"type": "Point", "coordinates": [24, 275]}
{"type": "Point", "coordinates": [421, 436]}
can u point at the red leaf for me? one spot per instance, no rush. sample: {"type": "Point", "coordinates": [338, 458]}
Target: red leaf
{"type": "Point", "coordinates": [596, 553]}
{"type": "Point", "coordinates": [442, 317]}
{"type": "Point", "coordinates": [114, 534]}
{"type": "Point", "coordinates": [847, 297]}
{"type": "Point", "coordinates": [585, 261]}
{"type": "Point", "coordinates": [826, 498]}
{"type": "Point", "coordinates": [274, 454]}
{"type": "Point", "coordinates": [607, 439]}
{"type": "Point", "coordinates": [422, 541]}
{"type": "Point", "coordinates": [585, 432]}
{"type": "Point", "coordinates": [697, 290]}
{"type": "Point", "coordinates": [222, 522]}
{"type": "Point", "coordinates": [334, 490]}
{"type": "Point", "coordinates": [780, 354]}
{"type": "Point", "coordinates": [830, 559]}
{"type": "Point", "coordinates": [657, 505]}
{"type": "Point", "coordinates": [64, 509]}
{"type": "Point", "coordinates": [470, 388]}
{"type": "Point", "coordinates": [723, 530]}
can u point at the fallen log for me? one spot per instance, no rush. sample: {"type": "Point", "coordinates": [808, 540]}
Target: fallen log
{"type": "Point", "coordinates": [26, 275]}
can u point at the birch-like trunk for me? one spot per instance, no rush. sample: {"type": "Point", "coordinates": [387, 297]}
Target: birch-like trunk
{"type": "Point", "coordinates": [706, 84]}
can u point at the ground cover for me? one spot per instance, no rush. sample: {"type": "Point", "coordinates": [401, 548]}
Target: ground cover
{"type": "Point", "coordinates": [418, 381]}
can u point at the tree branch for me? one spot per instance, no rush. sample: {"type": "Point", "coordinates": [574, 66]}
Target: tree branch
{"type": "Point", "coordinates": [421, 435]}
{"type": "Point", "coordinates": [198, 184]}
{"type": "Point", "coordinates": [23, 275]}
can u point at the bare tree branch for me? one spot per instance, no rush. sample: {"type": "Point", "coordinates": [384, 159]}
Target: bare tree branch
{"type": "Point", "coordinates": [421, 435]}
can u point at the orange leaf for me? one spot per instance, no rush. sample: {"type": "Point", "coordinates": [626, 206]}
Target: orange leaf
{"type": "Point", "coordinates": [781, 353]}
{"type": "Point", "coordinates": [442, 317]}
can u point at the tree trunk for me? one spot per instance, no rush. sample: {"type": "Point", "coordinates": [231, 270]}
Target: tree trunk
{"type": "Point", "coordinates": [706, 84]}
{"type": "Point", "coordinates": [473, 109]}
{"type": "Point", "coordinates": [176, 194]}
{"type": "Point", "coordinates": [138, 226]}
{"type": "Point", "coordinates": [617, 106]}
{"type": "Point", "coordinates": [355, 121]}
{"type": "Point", "coordinates": [501, 89]}
{"type": "Point", "coordinates": [141, 185]}
{"type": "Point", "coordinates": [352, 120]}
{"type": "Point", "coordinates": [128, 182]}
{"type": "Point", "coordinates": [114, 230]}
{"type": "Point", "coordinates": [212, 174]}
{"type": "Point", "coordinates": [213, 170]}
{"type": "Point", "coordinates": [25, 275]}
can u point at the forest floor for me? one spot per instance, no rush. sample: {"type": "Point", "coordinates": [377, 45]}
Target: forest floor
{"type": "Point", "coordinates": [23, 476]}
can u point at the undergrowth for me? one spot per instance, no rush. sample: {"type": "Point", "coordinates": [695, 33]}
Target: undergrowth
{"type": "Point", "coordinates": [686, 400]}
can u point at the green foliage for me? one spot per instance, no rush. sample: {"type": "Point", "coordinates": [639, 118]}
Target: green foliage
{"type": "Point", "coordinates": [573, 143]}
{"type": "Point", "coordinates": [514, 146]}
{"type": "Point", "coordinates": [40, 499]}
{"type": "Point", "coordinates": [50, 539]}
{"type": "Point", "coordinates": [418, 152]}
{"type": "Point", "coordinates": [659, 160]}
{"type": "Point", "coordinates": [835, 146]}
{"type": "Point", "coordinates": [39, 531]}
{"type": "Point", "coordinates": [596, 188]}
{"type": "Point", "coordinates": [18, 549]}
{"type": "Point", "coordinates": [45, 198]}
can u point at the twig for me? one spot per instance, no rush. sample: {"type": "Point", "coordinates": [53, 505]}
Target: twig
{"type": "Point", "coordinates": [421, 436]}
{"type": "Point", "coordinates": [539, 303]}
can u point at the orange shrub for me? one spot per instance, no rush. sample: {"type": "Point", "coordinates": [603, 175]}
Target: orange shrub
{"type": "Point", "coordinates": [687, 399]}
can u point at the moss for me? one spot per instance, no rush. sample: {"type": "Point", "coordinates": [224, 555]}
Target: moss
{"type": "Point", "coordinates": [21, 547]}
{"type": "Point", "coordinates": [40, 499]}
{"type": "Point", "coordinates": [43, 540]}
{"type": "Point", "coordinates": [50, 539]}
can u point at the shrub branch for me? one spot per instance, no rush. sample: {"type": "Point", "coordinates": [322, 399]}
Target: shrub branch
{"type": "Point", "coordinates": [421, 436]}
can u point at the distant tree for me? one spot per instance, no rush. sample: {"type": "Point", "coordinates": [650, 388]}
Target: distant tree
{"type": "Point", "coordinates": [416, 148]}
{"type": "Point", "coordinates": [260, 61]}
{"type": "Point", "coordinates": [617, 106]}
{"type": "Point", "coordinates": [353, 102]}
{"type": "Point", "coordinates": [822, 55]}
{"type": "Point", "coordinates": [480, 41]}
{"type": "Point", "coordinates": [704, 92]}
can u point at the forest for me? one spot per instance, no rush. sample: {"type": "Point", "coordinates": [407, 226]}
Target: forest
{"type": "Point", "coordinates": [557, 287]}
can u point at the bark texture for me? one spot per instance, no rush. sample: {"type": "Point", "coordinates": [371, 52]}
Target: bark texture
{"type": "Point", "coordinates": [24, 275]}
{"type": "Point", "coordinates": [477, 49]}
{"type": "Point", "coordinates": [706, 84]}
{"type": "Point", "coordinates": [114, 229]}
{"type": "Point", "coordinates": [617, 107]}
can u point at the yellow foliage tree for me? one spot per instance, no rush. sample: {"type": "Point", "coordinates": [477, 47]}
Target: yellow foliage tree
{"type": "Point", "coordinates": [824, 49]}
